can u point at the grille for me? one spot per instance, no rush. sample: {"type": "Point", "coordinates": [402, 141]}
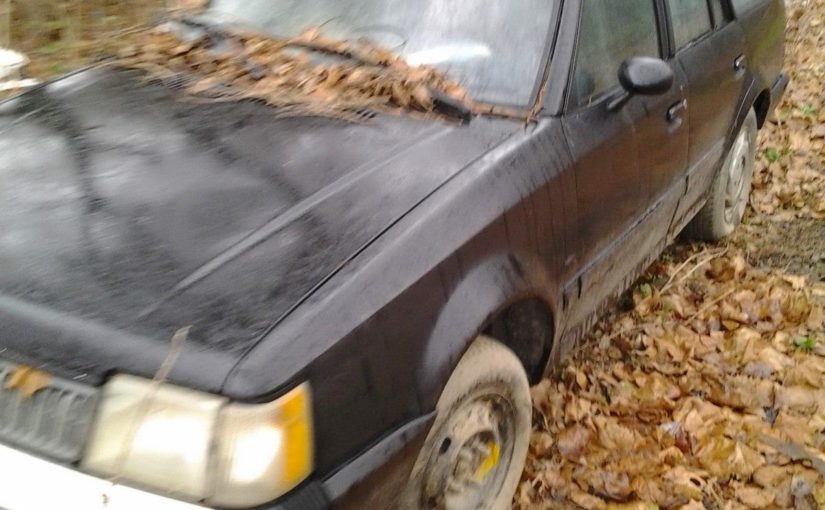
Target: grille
{"type": "Point", "coordinates": [54, 422]}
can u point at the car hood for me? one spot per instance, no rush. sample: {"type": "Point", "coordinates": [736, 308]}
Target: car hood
{"type": "Point", "coordinates": [128, 212]}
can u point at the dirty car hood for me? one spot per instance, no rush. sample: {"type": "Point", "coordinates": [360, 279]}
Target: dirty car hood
{"type": "Point", "coordinates": [128, 212]}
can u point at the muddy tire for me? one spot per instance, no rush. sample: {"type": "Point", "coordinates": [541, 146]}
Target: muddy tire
{"type": "Point", "coordinates": [474, 454]}
{"type": "Point", "coordinates": [730, 190]}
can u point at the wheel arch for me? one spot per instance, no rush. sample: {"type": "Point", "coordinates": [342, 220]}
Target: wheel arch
{"type": "Point", "coordinates": [527, 327]}
{"type": "Point", "coordinates": [762, 105]}
{"type": "Point", "coordinates": [501, 295]}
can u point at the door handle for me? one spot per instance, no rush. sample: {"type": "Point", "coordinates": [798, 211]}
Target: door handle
{"type": "Point", "coordinates": [740, 64]}
{"type": "Point", "coordinates": [676, 111]}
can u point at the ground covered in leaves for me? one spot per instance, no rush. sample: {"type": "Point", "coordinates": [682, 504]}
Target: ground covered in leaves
{"type": "Point", "coordinates": [708, 390]}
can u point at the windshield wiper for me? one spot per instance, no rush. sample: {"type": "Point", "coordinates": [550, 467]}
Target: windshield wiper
{"type": "Point", "coordinates": [450, 106]}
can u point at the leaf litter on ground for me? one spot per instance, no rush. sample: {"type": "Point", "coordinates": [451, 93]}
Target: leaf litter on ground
{"type": "Point", "coordinates": [700, 395]}
{"type": "Point", "coordinates": [790, 174]}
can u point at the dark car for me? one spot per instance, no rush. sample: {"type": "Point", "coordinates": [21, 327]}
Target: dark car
{"type": "Point", "coordinates": [204, 303]}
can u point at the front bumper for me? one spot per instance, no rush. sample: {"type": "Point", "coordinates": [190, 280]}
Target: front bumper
{"type": "Point", "coordinates": [30, 483]}
{"type": "Point", "coordinates": [373, 480]}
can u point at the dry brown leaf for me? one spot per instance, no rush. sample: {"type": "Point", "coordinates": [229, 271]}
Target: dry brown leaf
{"type": "Point", "coordinates": [795, 428]}
{"type": "Point", "coordinates": [611, 485]}
{"type": "Point", "coordinates": [753, 497]}
{"type": "Point", "coordinates": [572, 442]}
{"type": "Point", "coordinates": [726, 458]}
{"type": "Point", "coordinates": [688, 483]}
{"type": "Point", "coordinates": [797, 452]}
{"type": "Point", "coordinates": [638, 505]}
{"type": "Point", "coordinates": [769, 477]}
{"type": "Point", "coordinates": [797, 398]}
{"type": "Point", "coordinates": [810, 371]}
{"type": "Point", "coordinates": [587, 501]}
{"type": "Point", "coordinates": [26, 381]}
{"type": "Point", "coordinates": [542, 443]}
{"type": "Point", "coordinates": [613, 436]}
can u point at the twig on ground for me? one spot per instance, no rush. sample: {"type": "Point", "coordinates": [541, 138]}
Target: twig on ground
{"type": "Point", "coordinates": [714, 255]}
{"type": "Point", "coordinates": [711, 304]}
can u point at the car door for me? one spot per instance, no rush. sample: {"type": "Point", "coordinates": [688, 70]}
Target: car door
{"type": "Point", "coordinates": [621, 153]}
{"type": "Point", "coordinates": [710, 49]}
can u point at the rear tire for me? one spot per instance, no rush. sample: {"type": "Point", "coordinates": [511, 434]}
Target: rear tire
{"type": "Point", "coordinates": [730, 190]}
{"type": "Point", "coordinates": [474, 454]}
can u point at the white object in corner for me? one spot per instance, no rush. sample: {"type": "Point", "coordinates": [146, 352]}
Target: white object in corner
{"type": "Point", "coordinates": [11, 62]}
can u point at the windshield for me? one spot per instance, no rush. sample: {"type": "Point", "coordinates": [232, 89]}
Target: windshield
{"type": "Point", "coordinates": [494, 48]}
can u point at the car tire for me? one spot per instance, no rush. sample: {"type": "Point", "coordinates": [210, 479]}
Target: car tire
{"type": "Point", "coordinates": [474, 454]}
{"type": "Point", "coordinates": [730, 190]}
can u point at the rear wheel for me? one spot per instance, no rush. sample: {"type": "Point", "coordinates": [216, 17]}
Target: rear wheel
{"type": "Point", "coordinates": [730, 190]}
{"type": "Point", "coordinates": [475, 452]}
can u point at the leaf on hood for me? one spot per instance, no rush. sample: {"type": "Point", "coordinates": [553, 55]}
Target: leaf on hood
{"type": "Point", "coordinates": [26, 381]}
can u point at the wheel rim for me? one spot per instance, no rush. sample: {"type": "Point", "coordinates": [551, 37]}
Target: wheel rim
{"type": "Point", "coordinates": [737, 173]}
{"type": "Point", "coordinates": [471, 457]}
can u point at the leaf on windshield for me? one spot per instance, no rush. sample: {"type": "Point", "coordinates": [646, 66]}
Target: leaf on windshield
{"type": "Point", "coordinates": [228, 64]}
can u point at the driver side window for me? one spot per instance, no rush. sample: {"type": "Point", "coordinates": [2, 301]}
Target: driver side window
{"type": "Point", "coordinates": [610, 32]}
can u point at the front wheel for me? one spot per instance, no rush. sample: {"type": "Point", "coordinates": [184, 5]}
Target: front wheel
{"type": "Point", "coordinates": [474, 454]}
{"type": "Point", "coordinates": [730, 190]}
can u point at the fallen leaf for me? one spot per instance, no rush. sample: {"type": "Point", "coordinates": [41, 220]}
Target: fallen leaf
{"type": "Point", "coordinates": [26, 381]}
{"type": "Point", "coordinates": [771, 476]}
{"type": "Point", "coordinates": [799, 398]}
{"type": "Point", "coordinates": [687, 483]}
{"type": "Point", "coordinates": [753, 497]}
{"type": "Point", "coordinates": [587, 501]}
{"type": "Point", "coordinates": [796, 452]}
{"type": "Point", "coordinates": [572, 441]}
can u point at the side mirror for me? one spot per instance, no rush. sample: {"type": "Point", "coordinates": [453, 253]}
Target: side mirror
{"type": "Point", "coordinates": [643, 76]}
{"type": "Point", "coordinates": [646, 76]}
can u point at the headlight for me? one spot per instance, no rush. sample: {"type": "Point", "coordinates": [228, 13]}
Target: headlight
{"type": "Point", "coordinates": [199, 446]}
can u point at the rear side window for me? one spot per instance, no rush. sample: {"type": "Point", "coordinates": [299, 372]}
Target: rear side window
{"type": "Point", "coordinates": [691, 20]}
{"type": "Point", "coordinates": [611, 32]}
{"type": "Point", "coordinates": [740, 6]}
{"type": "Point", "coordinates": [718, 12]}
